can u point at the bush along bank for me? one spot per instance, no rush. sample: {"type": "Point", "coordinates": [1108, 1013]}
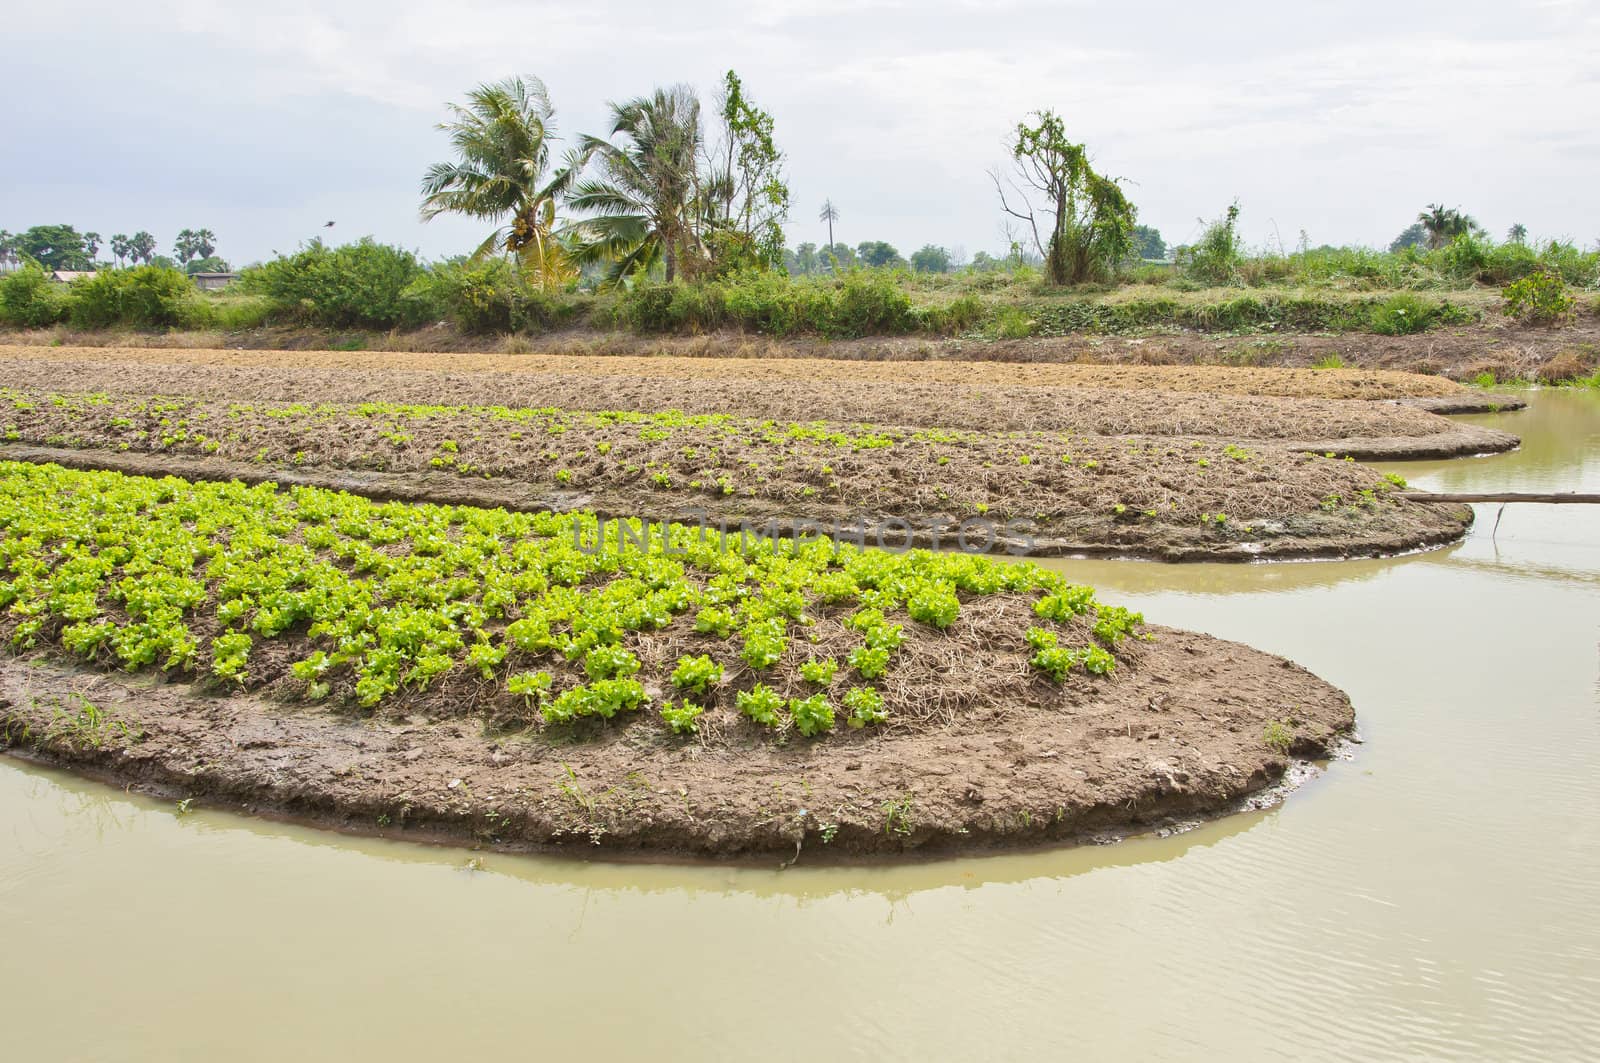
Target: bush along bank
{"type": "Point", "coordinates": [376, 288]}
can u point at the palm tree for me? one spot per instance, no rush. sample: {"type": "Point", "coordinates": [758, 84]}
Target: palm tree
{"type": "Point", "coordinates": [1444, 224]}
{"type": "Point", "coordinates": [141, 247]}
{"type": "Point", "coordinates": [643, 206]}
{"type": "Point", "coordinates": [1517, 234]}
{"type": "Point", "coordinates": [120, 248]}
{"type": "Point", "coordinates": [830, 214]}
{"type": "Point", "coordinates": [502, 140]}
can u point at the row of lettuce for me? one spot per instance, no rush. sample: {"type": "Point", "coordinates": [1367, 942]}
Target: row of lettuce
{"type": "Point", "coordinates": [371, 286]}
{"type": "Point", "coordinates": [367, 603]}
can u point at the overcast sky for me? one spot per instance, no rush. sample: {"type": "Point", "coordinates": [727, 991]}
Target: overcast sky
{"type": "Point", "coordinates": [261, 121]}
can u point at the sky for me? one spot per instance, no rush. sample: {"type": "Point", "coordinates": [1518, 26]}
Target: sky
{"type": "Point", "coordinates": [1340, 120]}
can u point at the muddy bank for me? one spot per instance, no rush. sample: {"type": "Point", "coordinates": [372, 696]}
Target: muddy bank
{"type": "Point", "coordinates": [1362, 428]}
{"type": "Point", "coordinates": [1183, 736]}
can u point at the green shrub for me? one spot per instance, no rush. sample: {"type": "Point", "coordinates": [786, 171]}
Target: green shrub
{"type": "Point", "coordinates": [1013, 323]}
{"type": "Point", "coordinates": [29, 299]}
{"type": "Point", "coordinates": [958, 315]}
{"type": "Point", "coordinates": [675, 307]}
{"type": "Point", "coordinates": [1215, 258]}
{"type": "Point", "coordinates": [771, 303]}
{"type": "Point", "coordinates": [1538, 299]}
{"type": "Point", "coordinates": [361, 285]}
{"type": "Point", "coordinates": [1277, 736]}
{"type": "Point", "coordinates": [1401, 315]}
{"type": "Point", "coordinates": [142, 297]}
{"type": "Point", "coordinates": [489, 295]}
{"type": "Point", "coordinates": [871, 302]}
{"type": "Point", "coordinates": [236, 313]}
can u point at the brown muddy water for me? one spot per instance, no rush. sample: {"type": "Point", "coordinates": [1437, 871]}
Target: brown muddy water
{"type": "Point", "coordinates": [1433, 897]}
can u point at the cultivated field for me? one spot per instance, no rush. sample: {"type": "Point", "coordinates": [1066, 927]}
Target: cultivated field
{"type": "Point", "coordinates": [1169, 497]}
{"type": "Point", "coordinates": [1231, 406]}
{"type": "Point", "coordinates": [406, 576]}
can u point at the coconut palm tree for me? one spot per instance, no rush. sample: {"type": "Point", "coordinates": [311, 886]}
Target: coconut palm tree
{"type": "Point", "coordinates": [502, 174]}
{"type": "Point", "coordinates": [1443, 224]}
{"type": "Point", "coordinates": [642, 205]}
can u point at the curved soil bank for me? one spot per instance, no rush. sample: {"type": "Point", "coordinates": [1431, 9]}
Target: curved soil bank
{"type": "Point", "coordinates": [1468, 402]}
{"type": "Point", "coordinates": [1181, 735]}
{"type": "Point", "coordinates": [1382, 430]}
{"type": "Point", "coordinates": [1314, 510]}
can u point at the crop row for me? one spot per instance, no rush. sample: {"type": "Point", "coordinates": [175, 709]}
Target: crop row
{"type": "Point", "coordinates": [324, 595]}
{"type": "Point", "coordinates": [1041, 477]}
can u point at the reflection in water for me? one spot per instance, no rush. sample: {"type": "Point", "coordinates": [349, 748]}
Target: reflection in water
{"type": "Point", "coordinates": [82, 812]}
{"type": "Point", "coordinates": [1430, 898]}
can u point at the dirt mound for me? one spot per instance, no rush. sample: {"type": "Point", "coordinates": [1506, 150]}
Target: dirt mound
{"type": "Point", "coordinates": [1186, 735]}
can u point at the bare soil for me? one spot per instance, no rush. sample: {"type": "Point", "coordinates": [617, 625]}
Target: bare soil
{"type": "Point", "coordinates": [953, 362]}
{"type": "Point", "coordinates": [1177, 734]}
{"type": "Point", "coordinates": [1196, 405]}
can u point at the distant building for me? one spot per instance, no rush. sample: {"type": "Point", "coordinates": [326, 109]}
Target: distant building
{"type": "Point", "coordinates": [67, 276]}
{"type": "Point", "coordinates": [211, 282]}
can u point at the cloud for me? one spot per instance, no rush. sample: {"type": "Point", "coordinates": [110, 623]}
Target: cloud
{"type": "Point", "coordinates": [1341, 120]}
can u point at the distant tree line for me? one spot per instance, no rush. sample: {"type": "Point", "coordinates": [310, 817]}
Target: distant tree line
{"type": "Point", "coordinates": [63, 247]}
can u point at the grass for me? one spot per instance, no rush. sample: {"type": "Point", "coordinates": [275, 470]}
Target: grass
{"type": "Point", "coordinates": [328, 597]}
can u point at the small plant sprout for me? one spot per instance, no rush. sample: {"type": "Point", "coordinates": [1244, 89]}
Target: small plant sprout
{"type": "Point", "coordinates": [1278, 736]}
{"type": "Point", "coordinates": [897, 816]}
